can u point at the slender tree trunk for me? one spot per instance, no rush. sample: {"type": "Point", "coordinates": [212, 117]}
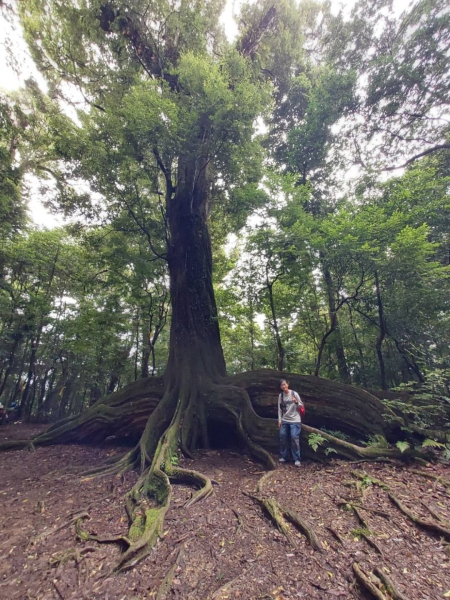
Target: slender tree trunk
{"type": "Point", "coordinates": [146, 333]}
{"type": "Point", "coordinates": [11, 360]}
{"type": "Point", "coordinates": [344, 373]}
{"type": "Point", "coordinates": [252, 332]}
{"type": "Point", "coordinates": [136, 355]}
{"type": "Point", "coordinates": [409, 360]}
{"type": "Point", "coordinates": [17, 388]}
{"type": "Point", "coordinates": [36, 342]}
{"type": "Point", "coordinates": [382, 334]}
{"type": "Point", "coordinates": [358, 347]}
{"type": "Point", "coordinates": [23, 407]}
{"type": "Point", "coordinates": [67, 394]}
{"type": "Point", "coordinates": [42, 393]}
{"type": "Point", "coordinates": [49, 393]}
{"type": "Point", "coordinates": [33, 398]}
{"type": "Point", "coordinates": [152, 351]}
{"type": "Point", "coordinates": [96, 388]}
{"type": "Point", "coordinates": [280, 348]}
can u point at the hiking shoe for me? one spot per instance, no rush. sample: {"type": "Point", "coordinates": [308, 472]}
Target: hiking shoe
{"type": "Point", "coordinates": [281, 460]}
{"type": "Point", "coordinates": [297, 463]}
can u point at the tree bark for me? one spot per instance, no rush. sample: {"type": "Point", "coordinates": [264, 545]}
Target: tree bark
{"type": "Point", "coordinates": [344, 373]}
{"type": "Point", "coordinates": [252, 332]}
{"type": "Point", "coordinates": [358, 347]}
{"type": "Point", "coordinates": [382, 334]}
{"type": "Point", "coordinates": [195, 347]}
{"type": "Point", "coordinates": [11, 360]}
{"type": "Point", "coordinates": [280, 348]}
{"type": "Point", "coordinates": [35, 341]}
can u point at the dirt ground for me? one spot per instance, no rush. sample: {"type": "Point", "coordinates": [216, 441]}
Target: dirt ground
{"type": "Point", "coordinates": [226, 546]}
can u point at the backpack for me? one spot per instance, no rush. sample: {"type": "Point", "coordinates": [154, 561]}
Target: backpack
{"type": "Point", "coordinates": [301, 410]}
{"type": "Point", "coordinates": [301, 407]}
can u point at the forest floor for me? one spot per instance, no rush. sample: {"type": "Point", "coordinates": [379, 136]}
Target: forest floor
{"type": "Point", "coordinates": [225, 546]}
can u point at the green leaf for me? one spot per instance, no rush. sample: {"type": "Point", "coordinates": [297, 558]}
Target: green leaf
{"type": "Point", "coordinates": [402, 446]}
{"type": "Point", "coordinates": [432, 443]}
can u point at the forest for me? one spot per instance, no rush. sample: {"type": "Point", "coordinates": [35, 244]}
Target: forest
{"type": "Point", "coordinates": [235, 210]}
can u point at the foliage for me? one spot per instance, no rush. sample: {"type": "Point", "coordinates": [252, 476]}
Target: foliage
{"type": "Point", "coordinates": [315, 440]}
{"type": "Point", "coordinates": [402, 446]}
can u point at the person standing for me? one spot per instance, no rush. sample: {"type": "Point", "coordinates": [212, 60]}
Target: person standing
{"type": "Point", "coordinates": [289, 422]}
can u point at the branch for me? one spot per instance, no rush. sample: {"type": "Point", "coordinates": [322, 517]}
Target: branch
{"type": "Point", "coordinates": [141, 226]}
{"type": "Point", "coordinates": [417, 156]}
{"type": "Point", "coordinates": [162, 166]}
{"type": "Point", "coordinates": [251, 41]}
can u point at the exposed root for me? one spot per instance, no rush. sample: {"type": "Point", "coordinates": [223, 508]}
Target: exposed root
{"type": "Point", "coordinates": [424, 523]}
{"type": "Point", "coordinates": [14, 444]}
{"type": "Point", "coordinates": [117, 466]}
{"type": "Point", "coordinates": [304, 527]}
{"type": "Point", "coordinates": [149, 499]}
{"type": "Point", "coordinates": [58, 591]}
{"type": "Point", "coordinates": [351, 505]}
{"type": "Point", "coordinates": [280, 515]}
{"type": "Point", "coordinates": [224, 589]}
{"type": "Point", "coordinates": [166, 583]}
{"type": "Point", "coordinates": [366, 583]}
{"type": "Point", "coordinates": [85, 536]}
{"type": "Point", "coordinates": [359, 453]}
{"type": "Point", "coordinates": [195, 478]}
{"type": "Point", "coordinates": [275, 512]}
{"type": "Point", "coordinates": [365, 535]}
{"type": "Point", "coordinates": [437, 516]}
{"type": "Point", "coordinates": [239, 519]}
{"type": "Point", "coordinates": [43, 536]}
{"type": "Point", "coordinates": [336, 535]}
{"type": "Point", "coordinates": [437, 478]}
{"type": "Point", "coordinates": [375, 511]}
{"type": "Point", "coordinates": [369, 480]}
{"type": "Point", "coordinates": [74, 554]}
{"type": "Point", "coordinates": [389, 585]}
{"type": "Point", "coordinates": [262, 481]}
{"type": "Point", "coordinates": [238, 404]}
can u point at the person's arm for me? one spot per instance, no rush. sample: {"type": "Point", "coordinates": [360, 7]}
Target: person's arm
{"type": "Point", "coordinates": [298, 399]}
{"type": "Point", "coordinates": [279, 409]}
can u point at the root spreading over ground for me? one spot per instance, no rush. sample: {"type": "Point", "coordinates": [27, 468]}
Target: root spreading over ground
{"type": "Point", "coordinates": [324, 530]}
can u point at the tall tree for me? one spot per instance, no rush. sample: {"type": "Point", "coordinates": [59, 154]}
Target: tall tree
{"type": "Point", "coordinates": [165, 131]}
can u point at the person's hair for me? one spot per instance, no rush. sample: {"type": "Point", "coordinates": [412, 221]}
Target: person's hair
{"type": "Point", "coordinates": [284, 381]}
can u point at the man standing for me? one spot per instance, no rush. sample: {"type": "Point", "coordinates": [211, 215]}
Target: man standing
{"type": "Point", "coordinates": [289, 422]}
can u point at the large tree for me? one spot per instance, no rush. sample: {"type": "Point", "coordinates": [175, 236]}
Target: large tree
{"type": "Point", "coordinates": [165, 141]}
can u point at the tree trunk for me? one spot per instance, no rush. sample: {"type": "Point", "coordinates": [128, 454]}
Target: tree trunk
{"type": "Point", "coordinates": [344, 373]}
{"type": "Point", "coordinates": [252, 332]}
{"type": "Point", "coordinates": [11, 359]}
{"type": "Point", "coordinates": [146, 332]}
{"type": "Point", "coordinates": [17, 388]}
{"type": "Point", "coordinates": [195, 348]}
{"type": "Point", "coordinates": [35, 342]}
{"type": "Point", "coordinates": [23, 407]}
{"type": "Point", "coordinates": [42, 393]}
{"type": "Point", "coordinates": [137, 340]}
{"type": "Point", "coordinates": [358, 347]}
{"type": "Point", "coordinates": [280, 348]}
{"type": "Point", "coordinates": [382, 334]}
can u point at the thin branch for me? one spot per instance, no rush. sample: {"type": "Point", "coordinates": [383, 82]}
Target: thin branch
{"type": "Point", "coordinates": [417, 156]}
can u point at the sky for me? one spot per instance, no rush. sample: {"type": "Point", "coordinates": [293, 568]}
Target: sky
{"type": "Point", "coordinates": [12, 78]}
